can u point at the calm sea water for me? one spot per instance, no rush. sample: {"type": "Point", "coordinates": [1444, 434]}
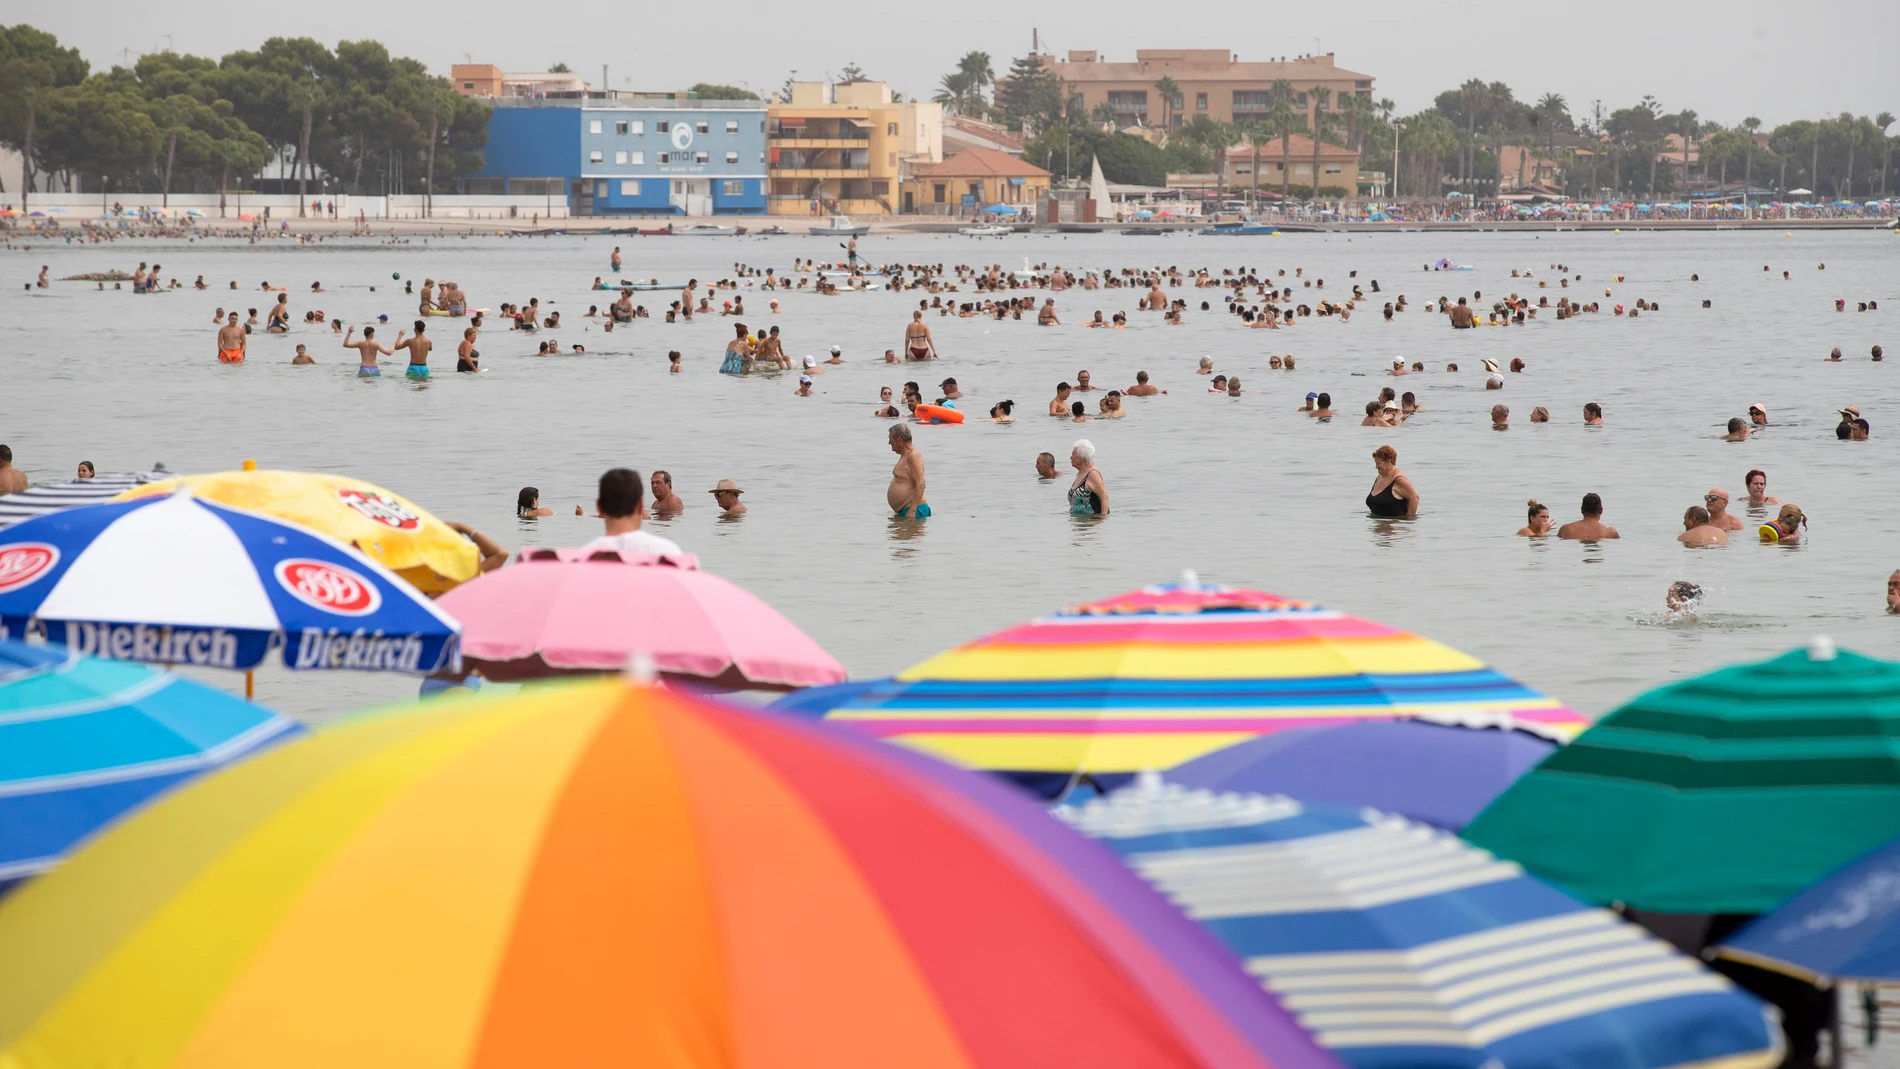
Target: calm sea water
{"type": "Point", "coordinates": [1242, 491]}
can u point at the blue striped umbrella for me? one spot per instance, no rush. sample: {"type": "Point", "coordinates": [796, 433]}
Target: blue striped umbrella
{"type": "Point", "coordinates": [1398, 945]}
{"type": "Point", "coordinates": [52, 497]}
{"type": "Point", "coordinates": [83, 740]}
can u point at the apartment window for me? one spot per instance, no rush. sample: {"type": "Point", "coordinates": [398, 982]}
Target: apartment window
{"type": "Point", "coordinates": [1252, 100]}
{"type": "Point", "coordinates": [594, 156]}
{"type": "Point", "coordinates": [936, 192]}
{"type": "Point", "coordinates": [660, 126]}
{"type": "Point", "coordinates": [593, 126]}
{"type": "Point", "coordinates": [699, 157]}
{"type": "Point", "coordinates": [620, 157]}
{"type": "Point", "coordinates": [732, 157]}
{"type": "Point", "coordinates": [1332, 168]}
{"type": "Point", "coordinates": [1362, 84]}
{"type": "Point", "coordinates": [890, 129]}
{"type": "Point", "coordinates": [630, 187]}
{"type": "Point", "coordinates": [666, 157]}
{"type": "Point", "coordinates": [1299, 100]}
{"type": "Point", "coordinates": [637, 157]}
{"type": "Point", "coordinates": [761, 126]}
{"type": "Point", "coordinates": [732, 126]}
{"type": "Point", "coordinates": [880, 187]}
{"type": "Point", "coordinates": [893, 160]}
{"type": "Point", "coordinates": [468, 85]}
{"type": "Point", "coordinates": [620, 126]}
{"type": "Point", "coordinates": [761, 155]}
{"type": "Point", "coordinates": [1133, 100]}
{"type": "Point", "coordinates": [600, 190]}
{"type": "Point", "coordinates": [705, 127]}
{"type": "Point", "coordinates": [637, 126]}
{"type": "Point", "coordinates": [1200, 102]}
{"type": "Point", "coordinates": [734, 188]}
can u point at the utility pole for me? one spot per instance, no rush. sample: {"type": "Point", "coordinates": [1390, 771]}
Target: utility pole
{"type": "Point", "coordinates": [1396, 127]}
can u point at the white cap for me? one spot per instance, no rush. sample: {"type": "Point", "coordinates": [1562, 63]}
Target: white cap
{"type": "Point", "coordinates": [805, 379]}
{"type": "Point", "coordinates": [1494, 377]}
{"type": "Point", "coordinates": [1398, 361]}
{"type": "Point", "coordinates": [811, 361]}
{"type": "Point", "coordinates": [835, 349]}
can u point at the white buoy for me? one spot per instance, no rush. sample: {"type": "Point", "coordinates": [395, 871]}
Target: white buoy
{"type": "Point", "coordinates": [1821, 648]}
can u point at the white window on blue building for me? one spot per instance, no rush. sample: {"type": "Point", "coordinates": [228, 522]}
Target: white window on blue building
{"type": "Point", "coordinates": [705, 127]}
{"type": "Point", "coordinates": [593, 126]}
{"type": "Point", "coordinates": [732, 126]}
{"type": "Point", "coordinates": [620, 157]}
{"type": "Point", "coordinates": [594, 156]}
{"type": "Point", "coordinates": [639, 126]}
{"type": "Point", "coordinates": [699, 157]}
{"type": "Point", "coordinates": [732, 188]}
{"type": "Point", "coordinates": [638, 157]}
{"type": "Point", "coordinates": [630, 187]}
{"type": "Point", "coordinates": [732, 157]}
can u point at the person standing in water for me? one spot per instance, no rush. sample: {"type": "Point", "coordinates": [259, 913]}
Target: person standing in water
{"type": "Point", "coordinates": [918, 344]}
{"type": "Point", "coordinates": [906, 492]}
{"type": "Point", "coordinates": [232, 342]}
{"type": "Point", "coordinates": [1537, 519]}
{"type": "Point", "coordinates": [1088, 494]}
{"type": "Point", "coordinates": [368, 349]}
{"type": "Point", "coordinates": [1393, 494]}
{"type": "Point", "coordinates": [615, 259]}
{"type": "Point", "coordinates": [418, 347]}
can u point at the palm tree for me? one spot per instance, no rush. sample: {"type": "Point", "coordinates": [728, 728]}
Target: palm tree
{"type": "Point", "coordinates": [1103, 114]}
{"type": "Point", "coordinates": [303, 99]}
{"type": "Point", "coordinates": [1850, 128]}
{"type": "Point", "coordinates": [1687, 121]}
{"type": "Point", "coordinates": [1471, 97]}
{"type": "Point", "coordinates": [1321, 121]}
{"type": "Point", "coordinates": [1254, 129]}
{"type": "Point", "coordinates": [1750, 125]}
{"type": "Point", "coordinates": [1169, 91]}
{"type": "Point", "coordinates": [1284, 121]}
{"type": "Point", "coordinates": [955, 89]}
{"type": "Point", "coordinates": [976, 72]}
{"type": "Point", "coordinates": [1884, 120]}
{"type": "Point", "coordinates": [1552, 109]}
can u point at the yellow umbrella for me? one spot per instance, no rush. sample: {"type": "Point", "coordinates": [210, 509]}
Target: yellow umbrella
{"type": "Point", "coordinates": [388, 527]}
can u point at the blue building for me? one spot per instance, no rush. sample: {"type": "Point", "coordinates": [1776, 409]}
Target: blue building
{"type": "Point", "coordinates": [625, 155]}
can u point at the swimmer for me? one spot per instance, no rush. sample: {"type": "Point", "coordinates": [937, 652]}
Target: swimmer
{"type": "Point", "coordinates": [1046, 469]}
{"type": "Point", "coordinates": [1537, 520]}
{"type": "Point", "coordinates": [1500, 417]}
{"type": "Point", "coordinates": [673, 362]}
{"type": "Point", "coordinates": [905, 495]}
{"type": "Point", "coordinates": [1111, 406]}
{"type": "Point", "coordinates": [233, 341]}
{"type": "Point", "coordinates": [1719, 515]}
{"type": "Point", "coordinates": [1540, 414]}
{"type": "Point", "coordinates": [1398, 366]}
{"type": "Point", "coordinates": [467, 359]}
{"type": "Point", "coordinates": [773, 350]}
{"type": "Point", "coordinates": [1059, 406]}
{"type": "Point", "coordinates": [1392, 494]}
{"type": "Point", "coordinates": [1324, 412]}
{"type": "Point", "coordinates": [918, 342]}
{"type": "Point", "coordinates": [1893, 593]}
{"type": "Point", "coordinates": [1233, 386]}
{"type": "Point", "coordinates": [1698, 531]}
{"type": "Point", "coordinates": [1078, 412]}
{"type": "Point", "coordinates": [1757, 482]}
{"type": "Point", "coordinates": [950, 391]}
{"type": "Point", "coordinates": [1308, 405]}
{"type": "Point", "coordinates": [1738, 430]}
{"type": "Point", "coordinates": [1786, 527]}
{"type": "Point", "coordinates": [1682, 596]}
{"type": "Point", "coordinates": [1046, 316]}
{"type": "Point", "coordinates": [418, 347]}
{"type": "Point", "coordinates": [837, 354]}
{"type": "Point", "coordinates": [1591, 527]}
{"type": "Point", "coordinates": [302, 357]}
{"type": "Point", "coordinates": [1142, 388]}
{"type": "Point", "coordinates": [804, 386]}
{"type": "Point", "coordinates": [890, 356]}
{"type": "Point", "coordinates": [1206, 367]}
{"type": "Point", "coordinates": [1000, 412]}
{"type": "Point", "coordinates": [367, 349]}
{"type": "Point", "coordinates": [528, 504]}
{"type": "Point", "coordinates": [1593, 415]}
{"type": "Point", "coordinates": [726, 493]}
{"type": "Point", "coordinates": [1088, 494]}
{"type": "Point", "coordinates": [1082, 382]}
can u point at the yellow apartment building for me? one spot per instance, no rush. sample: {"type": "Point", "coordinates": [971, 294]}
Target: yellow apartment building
{"type": "Point", "coordinates": [846, 148]}
{"type": "Point", "coordinates": [972, 180]}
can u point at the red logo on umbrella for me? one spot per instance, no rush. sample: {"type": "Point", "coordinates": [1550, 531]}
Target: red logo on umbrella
{"type": "Point", "coordinates": [23, 562]}
{"type": "Point", "coordinates": [380, 509]}
{"type": "Point", "coordinates": [330, 587]}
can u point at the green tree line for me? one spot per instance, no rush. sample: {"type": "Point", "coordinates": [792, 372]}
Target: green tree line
{"type": "Point", "coordinates": [350, 120]}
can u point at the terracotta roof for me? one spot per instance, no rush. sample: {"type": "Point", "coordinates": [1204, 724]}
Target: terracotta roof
{"type": "Point", "coordinates": [980, 163]}
{"type": "Point", "coordinates": [1301, 145]}
{"type": "Point", "coordinates": [964, 133]}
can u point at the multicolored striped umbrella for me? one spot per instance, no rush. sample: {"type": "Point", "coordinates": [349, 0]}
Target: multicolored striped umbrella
{"type": "Point", "coordinates": [596, 873]}
{"type": "Point", "coordinates": [1165, 674]}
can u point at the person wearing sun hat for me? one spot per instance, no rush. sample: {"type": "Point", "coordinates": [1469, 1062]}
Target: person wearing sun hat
{"type": "Point", "coordinates": [726, 494]}
{"type": "Point", "coordinates": [1758, 414]}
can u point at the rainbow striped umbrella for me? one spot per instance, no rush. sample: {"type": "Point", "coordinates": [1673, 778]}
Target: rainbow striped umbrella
{"type": "Point", "coordinates": [595, 873]}
{"type": "Point", "coordinates": [1162, 675]}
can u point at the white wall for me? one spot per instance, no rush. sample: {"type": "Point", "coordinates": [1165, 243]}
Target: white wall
{"type": "Point", "coordinates": [284, 205]}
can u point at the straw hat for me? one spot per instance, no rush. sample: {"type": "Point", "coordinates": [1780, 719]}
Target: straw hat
{"type": "Point", "coordinates": [725, 485]}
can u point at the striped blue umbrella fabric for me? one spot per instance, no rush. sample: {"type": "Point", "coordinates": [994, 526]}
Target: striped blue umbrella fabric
{"type": "Point", "coordinates": [181, 580]}
{"type": "Point", "coordinates": [1398, 945]}
{"type": "Point", "coordinates": [84, 740]}
{"type": "Point", "coordinates": [52, 497]}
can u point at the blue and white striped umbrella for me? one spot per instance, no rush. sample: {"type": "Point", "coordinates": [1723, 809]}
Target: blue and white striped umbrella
{"type": "Point", "coordinates": [180, 580]}
{"type": "Point", "coordinates": [1399, 945]}
{"type": "Point", "coordinates": [83, 741]}
{"type": "Point", "coordinates": [52, 497]}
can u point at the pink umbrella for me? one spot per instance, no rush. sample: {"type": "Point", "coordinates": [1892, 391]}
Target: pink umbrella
{"type": "Point", "coordinates": [556, 612]}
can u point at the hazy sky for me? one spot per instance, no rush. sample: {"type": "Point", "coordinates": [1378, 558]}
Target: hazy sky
{"type": "Point", "coordinates": [1778, 61]}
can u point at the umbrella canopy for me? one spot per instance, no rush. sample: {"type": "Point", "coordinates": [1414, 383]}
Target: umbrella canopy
{"type": "Point", "coordinates": [1164, 674]}
{"type": "Point", "coordinates": [51, 497]}
{"type": "Point", "coordinates": [1440, 774]}
{"type": "Point", "coordinates": [1801, 193]}
{"type": "Point", "coordinates": [84, 740]}
{"type": "Point", "coordinates": [549, 616]}
{"type": "Point", "coordinates": [1847, 927]}
{"type": "Point", "coordinates": [1400, 946]}
{"type": "Point", "coordinates": [178, 580]}
{"type": "Point", "coordinates": [595, 873]}
{"type": "Point", "coordinates": [194, 211]}
{"type": "Point", "coordinates": [1726, 793]}
{"type": "Point", "coordinates": [389, 528]}
{"type": "Point", "coordinates": [1000, 209]}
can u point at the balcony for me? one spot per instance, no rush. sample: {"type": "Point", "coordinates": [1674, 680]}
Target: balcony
{"type": "Point", "coordinates": [790, 139]}
{"type": "Point", "coordinates": [819, 172]}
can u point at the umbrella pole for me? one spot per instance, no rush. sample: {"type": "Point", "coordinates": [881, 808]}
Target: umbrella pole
{"type": "Point", "coordinates": [250, 686]}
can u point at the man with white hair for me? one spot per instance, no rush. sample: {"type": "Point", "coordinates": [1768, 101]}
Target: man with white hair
{"type": "Point", "coordinates": [906, 493]}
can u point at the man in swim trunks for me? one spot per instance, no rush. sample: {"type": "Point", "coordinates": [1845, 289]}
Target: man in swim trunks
{"type": "Point", "coordinates": [1046, 317]}
{"type": "Point", "coordinates": [615, 259]}
{"type": "Point", "coordinates": [418, 347]}
{"type": "Point", "coordinates": [917, 340]}
{"type": "Point", "coordinates": [1462, 317]}
{"type": "Point", "coordinates": [906, 492]}
{"type": "Point", "coordinates": [368, 349]}
{"type": "Point", "coordinates": [232, 341]}
{"type": "Point", "coordinates": [1591, 527]}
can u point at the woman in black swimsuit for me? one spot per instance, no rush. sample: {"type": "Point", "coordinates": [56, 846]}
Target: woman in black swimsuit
{"type": "Point", "coordinates": [1393, 495]}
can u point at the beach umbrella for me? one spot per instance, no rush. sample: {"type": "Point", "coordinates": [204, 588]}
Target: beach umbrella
{"type": "Point", "coordinates": [1400, 947]}
{"type": "Point", "coordinates": [83, 740]}
{"type": "Point", "coordinates": [52, 497]}
{"type": "Point", "coordinates": [557, 613]}
{"type": "Point", "coordinates": [36, 215]}
{"type": "Point", "coordinates": [180, 580]}
{"type": "Point", "coordinates": [1441, 774]}
{"type": "Point", "coordinates": [601, 873]}
{"type": "Point", "coordinates": [1164, 674]}
{"type": "Point", "coordinates": [56, 208]}
{"type": "Point", "coordinates": [1725, 793]}
{"type": "Point", "coordinates": [1000, 209]}
{"type": "Point", "coordinates": [194, 211]}
{"type": "Point", "coordinates": [1801, 193]}
{"type": "Point", "coordinates": [1845, 928]}
{"type": "Point", "coordinates": [385, 526]}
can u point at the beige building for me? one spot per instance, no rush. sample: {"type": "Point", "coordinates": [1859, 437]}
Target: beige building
{"type": "Point", "coordinates": [488, 80]}
{"type": "Point", "coordinates": [1212, 82]}
{"type": "Point", "coordinates": [973, 180]}
{"type": "Point", "coordinates": [1338, 166]}
{"type": "Point", "coordinates": [846, 147]}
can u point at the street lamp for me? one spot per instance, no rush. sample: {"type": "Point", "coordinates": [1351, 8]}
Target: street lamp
{"type": "Point", "coordinates": [1396, 127]}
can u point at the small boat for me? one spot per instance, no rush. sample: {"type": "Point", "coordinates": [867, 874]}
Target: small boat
{"type": "Point", "coordinates": [840, 227]}
{"type": "Point", "coordinates": [707, 230]}
{"type": "Point", "coordinates": [774, 230]}
{"type": "Point", "coordinates": [1146, 232]}
{"type": "Point", "coordinates": [990, 231]}
{"type": "Point", "coordinates": [1241, 229]}
{"type": "Point", "coordinates": [655, 231]}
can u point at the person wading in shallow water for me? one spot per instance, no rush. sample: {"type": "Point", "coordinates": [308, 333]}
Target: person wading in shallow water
{"type": "Point", "coordinates": [906, 492]}
{"type": "Point", "coordinates": [1393, 494]}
